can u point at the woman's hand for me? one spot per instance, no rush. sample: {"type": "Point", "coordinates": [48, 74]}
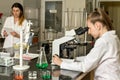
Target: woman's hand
{"type": "Point", "coordinates": [57, 60]}
{"type": "Point", "coordinates": [5, 33]}
{"type": "Point", "coordinates": [15, 34]}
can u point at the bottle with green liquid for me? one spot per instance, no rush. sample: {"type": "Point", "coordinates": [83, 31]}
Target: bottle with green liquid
{"type": "Point", "coordinates": [42, 60]}
{"type": "Point", "coordinates": [46, 75]}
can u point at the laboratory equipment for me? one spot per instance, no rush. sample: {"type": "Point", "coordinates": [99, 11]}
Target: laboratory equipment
{"type": "Point", "coordinates": [18, 75]}
{"type": "Point", "coordinates": [57, 42]}
{"type": "Point", "coordinates": [29, 43]}
{"type": "Point", "coordinates": [46, 75]}
{"type": "Point", "coordinates": [21, 66]}
{"type": "Point", "coordinates": [32, 75]}
{"type": "Point", "coordinates": [6, 71]}
{"type": "Point", "coordinates": [42, 60]}
{"type": "Point", "coordinates": [5, 59]}
{"type": "Point", "coordinates": [69, 36]}
{"type": "Point", "coordinates": [50, 34]}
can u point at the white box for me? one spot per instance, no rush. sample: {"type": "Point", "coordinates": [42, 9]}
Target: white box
{"type": "Point", "coordinates": [6, 61]}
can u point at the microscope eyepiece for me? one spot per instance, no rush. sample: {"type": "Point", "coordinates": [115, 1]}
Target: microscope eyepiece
{"type": "Point", "coordinates": [81, 30]}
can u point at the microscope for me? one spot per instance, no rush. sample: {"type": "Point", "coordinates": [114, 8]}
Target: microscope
{"type": "Point", "coordinates": [56, 44]}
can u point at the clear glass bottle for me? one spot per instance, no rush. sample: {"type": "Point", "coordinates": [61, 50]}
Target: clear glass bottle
{"type": "Point", "coordinates": [42, 60]}
{"type": "Point", "coordinates": [18, 75]}
{"type": "Point", "coordinates": [50, 32]}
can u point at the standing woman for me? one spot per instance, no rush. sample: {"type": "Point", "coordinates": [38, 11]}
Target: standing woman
{"type": "Point", "coordinates": [16, 22]}
{"type": "Point", "coordinates": [104, 57]}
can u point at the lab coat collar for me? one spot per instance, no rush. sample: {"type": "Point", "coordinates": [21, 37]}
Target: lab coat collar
{"type": "Point", "coordinates": [112, 32]}
{"type": "Point", "coordinates": [12, 19]}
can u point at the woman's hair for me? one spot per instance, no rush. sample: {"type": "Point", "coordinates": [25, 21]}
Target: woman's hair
{"type": "Point", "coordinates": [21, 16]}
{"type": "Point", "coordinates": [100, 16]}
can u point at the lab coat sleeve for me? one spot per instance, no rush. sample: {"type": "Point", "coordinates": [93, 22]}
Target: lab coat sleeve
{"type": "Point", "coordinates": [91, 61]}
{"type": "Point", "coordinates": [5, 25]}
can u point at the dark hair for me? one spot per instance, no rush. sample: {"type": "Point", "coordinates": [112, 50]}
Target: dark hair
{"type": "Point", "coordinates": [21, 17]}
{"type": "Point", "coordinates": [101, 16]}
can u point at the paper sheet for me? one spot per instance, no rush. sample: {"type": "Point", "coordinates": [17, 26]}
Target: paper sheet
{"type": "Point", "coordinates": [28, 56]}
{"type": "Point", "coordinates": [8, 30]}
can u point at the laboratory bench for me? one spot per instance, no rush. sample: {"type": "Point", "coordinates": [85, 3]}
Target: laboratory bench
{"type": "Point", "coordinates": [7, 73]}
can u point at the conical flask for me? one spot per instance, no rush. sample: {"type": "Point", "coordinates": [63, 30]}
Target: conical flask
{"type": "Point", "coordinates": [42, 60]}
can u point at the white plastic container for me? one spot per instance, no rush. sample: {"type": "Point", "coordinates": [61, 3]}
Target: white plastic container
{"type": "Point", "coordinates": [6, 61]}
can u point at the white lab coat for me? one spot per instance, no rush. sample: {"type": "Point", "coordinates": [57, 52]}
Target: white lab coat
{"type": "Point", "coordinates": [9, 23]}
{"type": "Point", "coordinates": [104, 58]}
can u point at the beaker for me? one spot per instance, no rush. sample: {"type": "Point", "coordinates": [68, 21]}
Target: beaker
{"type": "Point", "coordinates": [32, 75]}
{"type": "Point", "coordinates": [42, 60]}
{"type": "Point", "coordinates": [18, 75]}
{"type": "Point", "coordinates": [46, 75]}
{"type": "Point", "coordinates": [50, 34]}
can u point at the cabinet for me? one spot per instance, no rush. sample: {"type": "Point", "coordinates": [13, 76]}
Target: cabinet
{"type": "Point", "coordinates": [59, 8]}
{"type": "Point", "coordinates": [51, 18]}
{"type": "Point", "coordinates": [52, 14]}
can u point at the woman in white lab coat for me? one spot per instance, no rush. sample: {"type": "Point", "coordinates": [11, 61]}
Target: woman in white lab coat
{"type": "Point", "coordinates": [104, 57]}
{"type": "Point", "coordinates": [13, 25]}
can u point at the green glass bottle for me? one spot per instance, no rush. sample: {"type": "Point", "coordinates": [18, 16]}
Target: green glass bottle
{"type": "Point", "coordinates": [42, 60]}
{"type": "Point", "coordinates": [46, 75]}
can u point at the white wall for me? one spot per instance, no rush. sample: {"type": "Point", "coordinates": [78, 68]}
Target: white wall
{"type": "Point", "coordinates": [108, 0]}
{"type": "Point", "coordinates": [75, 4]}
{"type": "Point", "coordinates": [114, 12]}
{"type": "Point", "coordinates": [5, 6]}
